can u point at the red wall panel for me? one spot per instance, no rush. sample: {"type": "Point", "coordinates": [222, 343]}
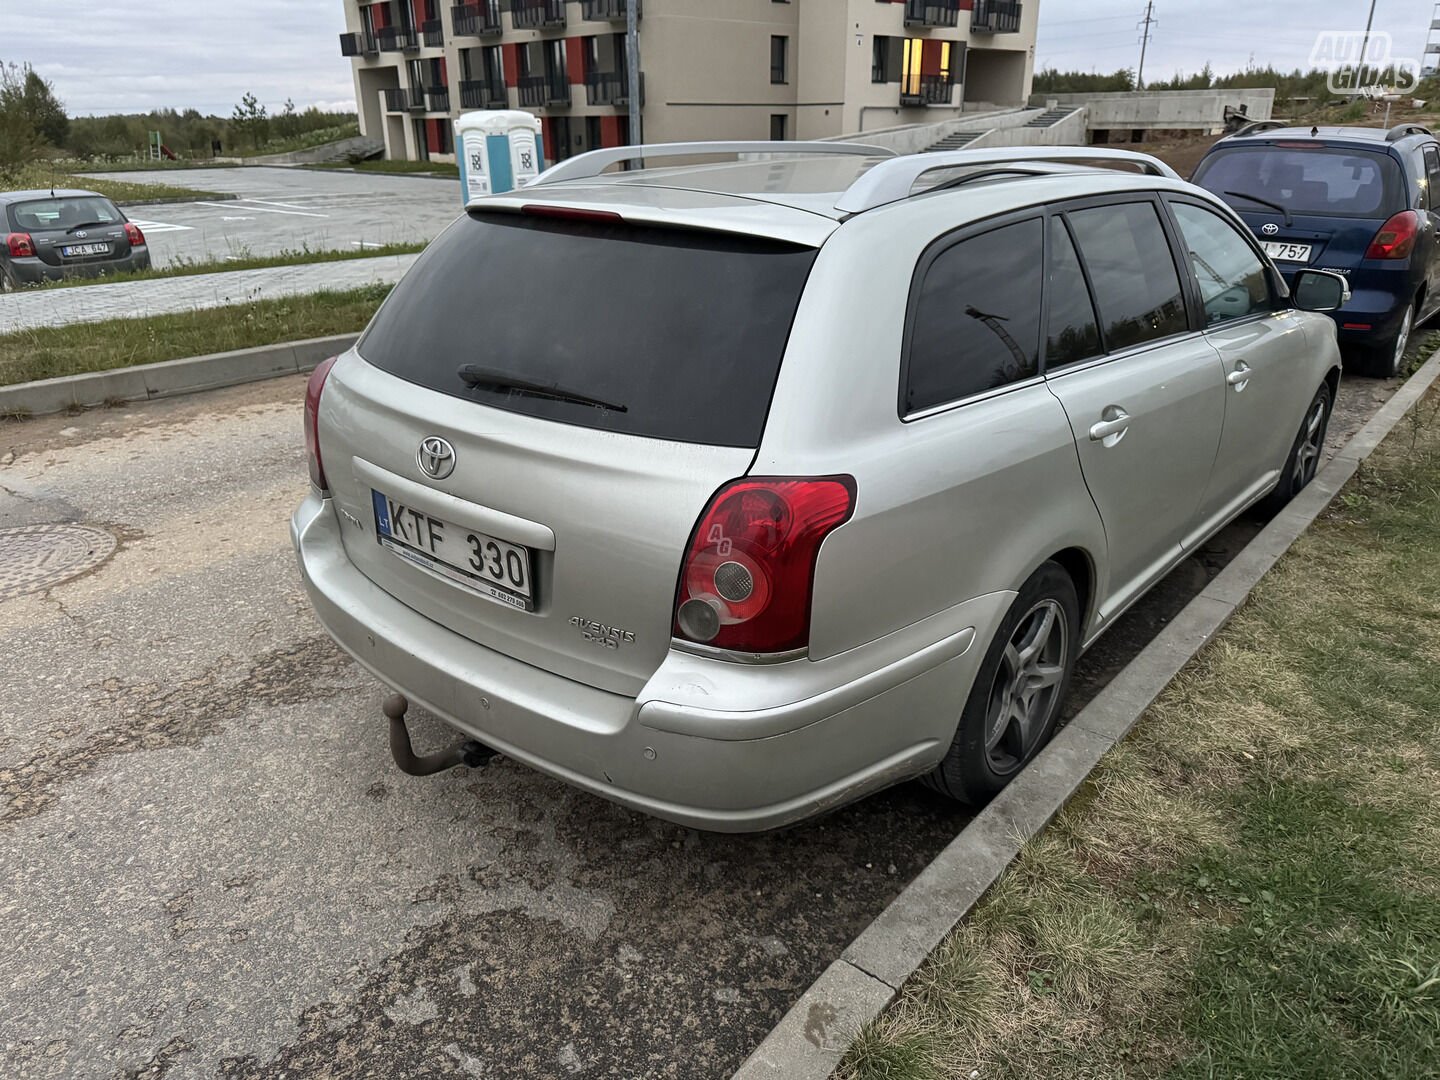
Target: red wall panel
{"type": "Point", "coordinates": [575, 61]}
{"type": "Point", "coordinates": [511, 55]}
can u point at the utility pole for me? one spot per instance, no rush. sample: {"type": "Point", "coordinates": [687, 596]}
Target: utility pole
{"type": "Point", "coordinates": [1365, 48]}
{"type": "Point", "coordinates": [1145, 44]}
{"type": "Point", "coordinates": [632, 68]}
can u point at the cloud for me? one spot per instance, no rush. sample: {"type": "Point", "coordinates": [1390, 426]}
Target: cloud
{"type": "Point", "coordinates": [136, 55]}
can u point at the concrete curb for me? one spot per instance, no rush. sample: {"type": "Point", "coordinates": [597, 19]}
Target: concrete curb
{"type": "Point", "coordinates": [169, 377]}
{"type": "Point", "coordinates": [815, 1034]}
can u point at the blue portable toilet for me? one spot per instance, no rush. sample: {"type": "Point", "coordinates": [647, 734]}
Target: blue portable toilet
{"type": "Point", "coordinates": [498, 151]}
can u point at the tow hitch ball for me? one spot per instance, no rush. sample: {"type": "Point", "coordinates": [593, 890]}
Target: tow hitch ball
{"type": "Point", "coordinates": [468, 752]}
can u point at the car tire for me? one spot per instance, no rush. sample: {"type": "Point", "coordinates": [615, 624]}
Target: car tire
{"type": "Point", "coordinates": [7, 283]}
{"type": "Point", "coordinates": [1011, 713]}
{"type": "Point", "coordinates": [1384, 360]}
{"type": "Point", "coordinates": [1305, 456]}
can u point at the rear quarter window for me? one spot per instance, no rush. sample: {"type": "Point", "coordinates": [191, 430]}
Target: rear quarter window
{"type": "Point", "coordinates": [1324, 181]}
{"type": "Point", "coordinates": [684, 328]}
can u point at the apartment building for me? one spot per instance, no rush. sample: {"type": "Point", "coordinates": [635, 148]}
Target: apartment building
{"type": "Point", "coordinates": [710, 69]}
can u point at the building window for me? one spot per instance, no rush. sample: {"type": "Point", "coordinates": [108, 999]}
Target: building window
{"type": "Point", "coordinates": [779, 48]}
{"type": "Point", "coordinates": [885, 58]}
{"type": "Point", "coordinates": [779, 127]}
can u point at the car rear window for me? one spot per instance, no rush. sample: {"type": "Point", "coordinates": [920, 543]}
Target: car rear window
{"type": "Point", "coordinates": [684, 328]}
{"type": "Point", "coordinates": [1327, 181]}
{"type": "Point", "coordinates": [62, 212]}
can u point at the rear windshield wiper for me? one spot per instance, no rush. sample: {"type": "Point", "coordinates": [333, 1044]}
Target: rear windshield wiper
{"type": "Point", "coordinates": [1264, 202]}
{"type": "Point", "coordinates": [88, 225]}
{"type": "Point", "coordinates": [483, 378]}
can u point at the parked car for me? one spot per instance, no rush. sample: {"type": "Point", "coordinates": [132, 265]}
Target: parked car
{"type": "Point", "coordinates": [732, 493]}
{"type": "Point", "coordinates": [52, 235]}
{"type": "Point", "coordinates": [1362, 202]}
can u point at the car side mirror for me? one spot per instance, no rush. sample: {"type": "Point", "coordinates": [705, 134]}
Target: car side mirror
{"type": "Point", "coordinates": [1320, 290]}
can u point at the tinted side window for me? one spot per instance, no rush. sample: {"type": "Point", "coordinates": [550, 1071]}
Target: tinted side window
{"type": "Point", "coordinates": [1073, 333]}
{"type": "Point", "coordinates": [1137, 287]}
{"type": "Point", "coordinates": [977, 317]}
{"type": "Point", "coordinates": [1232, 279]}
{"type": "Point", "coordinates": [1432, 177]}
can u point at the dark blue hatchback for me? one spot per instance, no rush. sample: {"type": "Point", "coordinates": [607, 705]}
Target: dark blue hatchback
{"type": "Point", "coordinates": [1362, 202]}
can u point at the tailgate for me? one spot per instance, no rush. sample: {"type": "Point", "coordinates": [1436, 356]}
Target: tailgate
{"type": "Point", "coordinates": [538, 416]}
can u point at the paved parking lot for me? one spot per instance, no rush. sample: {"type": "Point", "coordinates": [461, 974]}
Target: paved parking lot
{"type": "Point", "coordinates": [210, 866]}
{"type": "Point", "coordinates": [281, 209]}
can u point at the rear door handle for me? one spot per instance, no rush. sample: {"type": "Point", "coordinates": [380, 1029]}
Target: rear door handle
{"type": "Point", "coordinates": [1112, 429]}
{"type": "Point", "coordinates": [1240, 377]}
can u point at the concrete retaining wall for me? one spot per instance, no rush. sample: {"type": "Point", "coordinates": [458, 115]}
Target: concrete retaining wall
{"type": "Point", "coordinates": [1165, 110]}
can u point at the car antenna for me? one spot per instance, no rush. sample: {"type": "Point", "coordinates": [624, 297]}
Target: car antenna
{"type": "Point", "coordinates": [1314, 131]}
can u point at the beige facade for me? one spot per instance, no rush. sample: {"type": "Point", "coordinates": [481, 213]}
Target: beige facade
{"type": "Point", "coordinates": [712, 69]}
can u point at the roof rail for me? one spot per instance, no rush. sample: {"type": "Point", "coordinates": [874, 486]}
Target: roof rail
{"type": "Point", "coordinates": [893, 180]}
{"type": "Point", "coordinates": [1401, 131]}
{"type": "Point", "coordinates": [1255, 127]}
{"type": "Point", "coordinates": [597, 161]}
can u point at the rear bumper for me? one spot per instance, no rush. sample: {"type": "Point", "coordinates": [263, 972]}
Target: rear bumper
{"type": "Point", "coordinates": [34, 271]}
{"type": "Point", "coordinates": [708, 743]}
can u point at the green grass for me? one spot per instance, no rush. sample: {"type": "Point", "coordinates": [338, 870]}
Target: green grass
{"type": "Point", "coordinates": [83, 347]}
{"type": "Point", "coordinates": [1249, 885]}
{"type": "Point", "coordinates": [75, 165]}
{"type": "Point", "coordinates": [43, 175]}
{"type": "Point", "coordinates": [425, 168]}
{"type": "Point", "coordinates": [240, 261]}
{"type": "Point", "coordinates": [318, 137]}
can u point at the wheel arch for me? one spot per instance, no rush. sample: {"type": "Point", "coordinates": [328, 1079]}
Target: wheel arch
{"type": "Point", "coordinates": [1080, 565]}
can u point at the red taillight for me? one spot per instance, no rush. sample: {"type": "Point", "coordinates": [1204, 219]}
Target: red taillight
{"type": "Point", "coordinates": [747, 578]}
{"type": "Point", "coordinates": [20, 245]}
{"type": "Point", "coordinates": [134, 235]}
{"type": "Point", "coordinates": [1396, 238]}
{"type": "Point", "coordinates": [571, 213]}
{"type": "Point", "coordinates": [312, 422]}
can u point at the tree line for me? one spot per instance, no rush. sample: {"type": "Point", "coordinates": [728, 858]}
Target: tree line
{"type": "Point", "coordinates": [1312, 86]}
{"type": "Point", "coordinates": [34, 123]}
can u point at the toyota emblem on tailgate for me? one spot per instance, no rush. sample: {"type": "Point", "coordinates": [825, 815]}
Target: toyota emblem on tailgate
{"type": "Point", "coordinates": [436, 458]}
{"type": "Point", "coordinates": [1271, 230]}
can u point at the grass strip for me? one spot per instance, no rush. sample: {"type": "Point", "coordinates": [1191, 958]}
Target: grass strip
{"type": "Point", "coordinates": [183, 268]}
{"type": "Point", "coordinates": [49, 352]}
{"type": "Point", "coordinates": [42, 176]}
{"type": "Point", "coordinates": [1249, 885]}
{"type": "Point", "coordinates": [424, 168]}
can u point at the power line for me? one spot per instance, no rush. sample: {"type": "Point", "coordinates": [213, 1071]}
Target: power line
{"type": "Point", "coordinates": [1145, 44]}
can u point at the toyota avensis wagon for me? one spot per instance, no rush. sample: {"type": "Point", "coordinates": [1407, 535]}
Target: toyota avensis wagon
{"type": "Point", "coordinates": [733, 492]}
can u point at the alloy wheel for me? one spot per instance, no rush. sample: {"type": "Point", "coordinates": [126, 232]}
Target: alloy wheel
{"type": "Point", "coordinates": [1312, 445]}
{"type": "Point", "coordinates": [1402, 343]}
{"type": "Point", "coordinates": [1027, 685]}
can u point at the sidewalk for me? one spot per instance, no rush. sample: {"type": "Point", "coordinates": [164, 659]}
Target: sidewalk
{"type": "Point", "coordinates": [162, 296]}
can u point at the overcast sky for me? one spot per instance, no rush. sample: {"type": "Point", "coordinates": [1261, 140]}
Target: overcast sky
{"type": "Point", "coordinates": [134, 55]}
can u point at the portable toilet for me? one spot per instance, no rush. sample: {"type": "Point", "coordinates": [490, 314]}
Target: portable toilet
{"type": "Point", "coordinates": [498, 151]}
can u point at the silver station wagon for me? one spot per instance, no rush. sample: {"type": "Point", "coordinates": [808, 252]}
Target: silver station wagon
{"type": "Point", "coordinates": [733, 491]}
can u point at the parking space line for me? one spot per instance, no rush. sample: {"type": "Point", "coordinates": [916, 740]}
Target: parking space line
{"type": "Point", "coordinates": [159, 226]}
{"type": "Point", "coordinates": [259, 209]}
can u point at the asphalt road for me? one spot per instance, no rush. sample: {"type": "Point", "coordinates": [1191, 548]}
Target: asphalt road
{"type": "Point", "coordinates": [209, 866]}
{"type": "Point", "coordinates": [283, 209]}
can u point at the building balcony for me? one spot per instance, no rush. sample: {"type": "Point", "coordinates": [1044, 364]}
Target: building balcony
{"type": "Point", "coordinates": [932, 13]}
{"type": "Point", "coordinates": [437, 99]}
{"type": "Point", "coordinates": [396, 100]}
{"type": "Point", "coordinates": [608, 10]}
{"type": "Point", "coordinates": [537, 91]}
{"type": "Point", "coordinates": [434, 32]}
{"type": "Point", "coordinates": [476, 19]}
{"type": "Point", "coordinates": [481, 94]}
{"type": "Point", "coordinates": [537, 14]}
{"type": "Point", "coordinates": [397, 39]}
{"type": "Point", "coordinates": [358, 45]}
{"type": "Point", "coordinates": [996, 17]}
{"type": "Point", "coordinates": [928, 90]}
{"type": "Point", "coordinates": [611, 88]}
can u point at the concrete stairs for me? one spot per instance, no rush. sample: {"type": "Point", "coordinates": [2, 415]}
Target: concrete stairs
{"type": "Point", "coordinates": [1051, 118]}
{"type": "Point", "coordinates": [955, 141]}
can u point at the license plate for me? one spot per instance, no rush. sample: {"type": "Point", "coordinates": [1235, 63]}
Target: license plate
{"type": "Point", "coordinates": [85, 249]}
{"type": "Point", "coordinates": [490, 566]}
{"type": "Point", "coordinates": [1288, 252]}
